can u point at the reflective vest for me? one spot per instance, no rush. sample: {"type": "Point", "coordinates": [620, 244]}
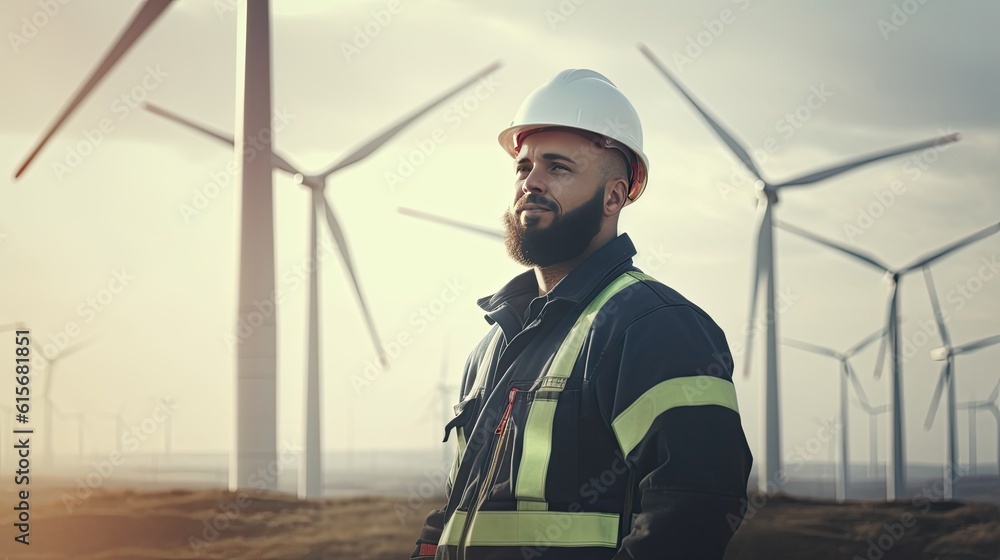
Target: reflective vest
{"type": "Point", "coordinates": [533, 524]}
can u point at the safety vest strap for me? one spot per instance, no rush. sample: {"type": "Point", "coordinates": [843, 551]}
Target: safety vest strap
{"type": "Point", "coordinates": [537, 442]}
{"type": "Point", "coordinates": [534, 528]}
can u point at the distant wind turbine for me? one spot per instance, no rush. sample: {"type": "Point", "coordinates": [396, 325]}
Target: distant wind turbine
{"type": "Point", "coordinates": [947, 354]}
{"type": "Point", "coordinates": [311, 483]}
{"type": "Point", "coordinates": [767, 198]}
{"type": "Point", "coordinates": [990, 404]}
{"type": "Point", "coordinates": [895, 486]}
{"type": "Point", "coordinates": [847, 373]}
{"type": "Point", "coordinates": [47, 391]}
{"type": "Point", "coordinates": [972, 409]}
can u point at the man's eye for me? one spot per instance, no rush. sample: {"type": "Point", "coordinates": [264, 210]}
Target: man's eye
{"type": "Point", "coordinates": [521, 169]}
{"type": "Point", "coordinates": [559, 167]}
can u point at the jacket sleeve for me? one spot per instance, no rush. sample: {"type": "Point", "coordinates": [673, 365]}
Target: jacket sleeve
{"type": "Point", "coordinates": [672, 408]}
{"type": "Point", "coordinates": [429, 536]}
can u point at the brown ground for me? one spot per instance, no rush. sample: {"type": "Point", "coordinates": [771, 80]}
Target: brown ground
{"type": "Point", "coordinates": [137, 525]}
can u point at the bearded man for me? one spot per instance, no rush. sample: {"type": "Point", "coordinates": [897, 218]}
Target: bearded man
{"type": "Point", "coordinates": [598, 418]}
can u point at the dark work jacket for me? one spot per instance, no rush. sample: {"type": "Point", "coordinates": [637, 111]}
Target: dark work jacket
{"type": "Point", "coordinates": [681, 490]}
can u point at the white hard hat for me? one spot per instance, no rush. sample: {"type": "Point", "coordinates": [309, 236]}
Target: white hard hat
{"type": "Point", "coordinates": [583, 100]}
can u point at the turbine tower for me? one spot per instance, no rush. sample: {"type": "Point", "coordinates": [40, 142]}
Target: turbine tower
{"type": "Point", "coordinates": [311, 484]}
{"type": "Point", "coordinates": [896, 484]}
{"type": "Point", "coordinates": [256, 356]}
{"type": "Point", "coordinates": [767, 198]}
{"type": "Point", "coordinates": [847, 373]}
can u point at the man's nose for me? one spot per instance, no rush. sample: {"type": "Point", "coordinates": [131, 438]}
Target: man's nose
{"type": "Point", "coordinates": [534, 182]}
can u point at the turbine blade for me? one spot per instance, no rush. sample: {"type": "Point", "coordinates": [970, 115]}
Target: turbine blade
{"type": "Point", "coordinates": [936, 399]}
{"type": "Point", "coordinates": [981, 234]}
{"type": "Point", "coordinates": [810, 347]}
{"type": "Point", "coordinates": [981, 343]}
{"type": "Point", "coordinates": [936, 305]}
{"type": "Point", "coordinates": [996, 393]}
{"type": "Point", "coordinates": [759, 271]}
{"type": "Point", "coordinates": [875, 335]}
{"type": "Point", "coordinates": [141, 21]}
{"type": "Point", "coordinates": [375, 143]}
{"type": "Point", "coordinates": [860, 255]}
{"type": "Point", "coordinates": [720, 130]}
{"type": "Point", "coordinates": [345, 255]}
{"type": "Point", "coordinates": [277, 161]}
{"type": "Point", "coordinates": [864, 160]}
{"type": "Point", "coordinates": [491, 233]}
{"type": "Point", "coordinates": [858, 389]}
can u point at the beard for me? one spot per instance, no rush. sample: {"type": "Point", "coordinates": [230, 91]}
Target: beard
{"type": "Point", "coordinates": [566, 238]}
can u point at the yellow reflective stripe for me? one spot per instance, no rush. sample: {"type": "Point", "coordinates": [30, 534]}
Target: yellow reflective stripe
{"type": "Point", "coordinates": [632, 424]}
{"type": "Point", "coordinates": [457, 463]}
{"type": "Point", "coordinates": [534, 528]}
{"type": "Point", "coordinates": [537, 441]}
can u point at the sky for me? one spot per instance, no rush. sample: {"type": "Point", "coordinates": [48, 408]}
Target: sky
{"type": "Point", "coordinates": [123, 233]}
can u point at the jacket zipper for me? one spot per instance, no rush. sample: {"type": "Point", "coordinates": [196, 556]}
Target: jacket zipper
{"type": "Point", "coordinates": [486, 483]}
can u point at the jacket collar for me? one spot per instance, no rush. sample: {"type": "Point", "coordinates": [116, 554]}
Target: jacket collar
{"type": "Point", "coordinates": [615, 255]}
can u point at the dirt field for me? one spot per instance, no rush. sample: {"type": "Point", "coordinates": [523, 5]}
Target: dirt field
{"type": "Point", "coordinates": [146, 524]}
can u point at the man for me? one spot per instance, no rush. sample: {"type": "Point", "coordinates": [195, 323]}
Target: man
{"type": "Point", "coordinates": [598, 417]}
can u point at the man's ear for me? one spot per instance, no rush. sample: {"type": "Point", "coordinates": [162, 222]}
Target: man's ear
{"type": "Point", "coordinates": [616, 197]}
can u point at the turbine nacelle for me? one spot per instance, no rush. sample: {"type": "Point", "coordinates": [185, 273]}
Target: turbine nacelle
{"type": "Point", "coordinates": [940, 354]}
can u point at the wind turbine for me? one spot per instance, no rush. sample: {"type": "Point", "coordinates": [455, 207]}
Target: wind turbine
{"type": "Point", "coordinates": [947, 354]}
{"type": "Point", "coordinates": [990, 404]}
{"type": "Point", "coordinates": [256, 357]}
{"type": "Point", "coordinates": [311, 483]}
{"type": "Point", "coordinates": [47, 391]}
{"type": "Point", "coordinates": [847, 373]}
{"type": "Point", "coordinates": [895, 486]}
{"type": "Point", "coordinates": [873, 413]}
{"type": "Point", "coordinates": [767, 198]}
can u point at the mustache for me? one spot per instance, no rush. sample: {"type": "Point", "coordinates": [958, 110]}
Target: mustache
{"type": "Point", "coordinates": [533, 198]}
